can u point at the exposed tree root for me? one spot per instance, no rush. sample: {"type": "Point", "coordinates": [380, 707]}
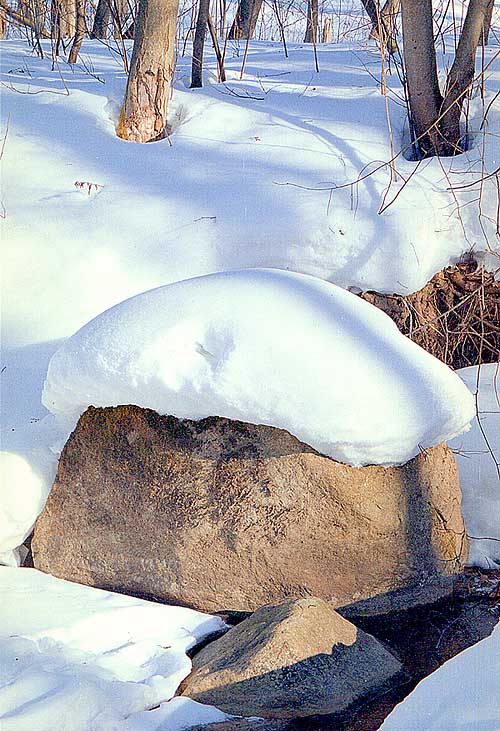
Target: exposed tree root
{"type": "Point", "coordinates": [456, 316]}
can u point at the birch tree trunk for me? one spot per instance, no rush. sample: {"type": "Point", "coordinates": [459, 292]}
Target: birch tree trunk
{"type": "Point", "coordinates": [144, 113]}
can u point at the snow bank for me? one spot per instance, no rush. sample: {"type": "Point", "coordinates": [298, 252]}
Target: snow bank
{"type": "Point", "coordinates": [82, 659]}
{"type": "Point", "coordinates": [266, 347]}
{"type": "Point", "coordinates": [22, 497]}
{"type": "Point", "coordinates": [478, 457]}
{"type": "Point", "coordinates": [462, 695]}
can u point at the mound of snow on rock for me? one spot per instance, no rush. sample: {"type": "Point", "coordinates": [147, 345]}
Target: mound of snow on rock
{"type": "Point", "coordinates": [462, 695]}
{"type": "Point", "coordinates": [478, 459]}
{"type": "Point", "coordinates": [265, 347]}
{"type": "Point", "coordinates": [75, 658]}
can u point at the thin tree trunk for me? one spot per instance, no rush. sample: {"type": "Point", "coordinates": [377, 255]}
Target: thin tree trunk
{"type": "Point", "coordinates": [3, 23]}
{"type": "Point", "coordinates": [215, 43]}
{"type": "Point", "coordinates": [421, 73]}
{"type": "Point", "coordinates": [144, 113]}
{"type": "Point", "coordinates": [311, 35]}
{"type": "Point", "coordinates": [198, 44]}
{"type": "Point", "coordinates": [80, 32]}
{"type": "Point", "coordinates": [462, 73]}
{"type": "Point", "coordinates": [485, 35]}
{"type": "Point", "coordinates": [101, 20]}
{"type": "Point", "coordinates": [245, 22]}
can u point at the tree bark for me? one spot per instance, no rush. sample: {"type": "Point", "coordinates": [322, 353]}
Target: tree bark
{"type": "Point", "coordinates": [245, 22]}
{"type": "Point", "coordinates": [421, 74]}
{"type": "Point", "coordinates": [79, 33]}
{"type": "Point", "coordinates": [311, 35]}
{"type": "Point", "coordinates": [198, 44]}
{"type": "Point", "coordinates": [101, 20]}
{"type": "Point", "coordinates": [461, 74]}
{"type": "Point", "coordinates": [3, 23]}
{"type": "Point", "coordinates": [144, 113]}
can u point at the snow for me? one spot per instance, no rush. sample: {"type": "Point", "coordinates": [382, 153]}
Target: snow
{"type": "Point", "coordinates": [462, 695]}
{"type": "Point", "coordinates": [258, 172]}
{"type": "Point", "coordinates": [22, 495]}
{"type": "Point", "coordinates": [82, 659]}
{"type": "Point", "coordinates": [266, 347]}
{"type": "Point", "coordinates": [223, 196]}
{"type": "Point", "coordinates": [478, 457]}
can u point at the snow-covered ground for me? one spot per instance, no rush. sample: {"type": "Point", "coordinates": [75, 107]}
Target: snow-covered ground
{"type": "Point", "coordinates": [266, 171]}
{"type": "Point", "coordinates": [75, 658]}
{"type": "Point", "coordinates": [223, 195]}
{"type": "Point", "coordinates": [462, 695]}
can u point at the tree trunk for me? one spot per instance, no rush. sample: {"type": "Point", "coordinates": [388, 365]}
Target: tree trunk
{"type": "Point", "coordinates": [3, 23]}
{"type": "Point", "coordinates": [101, 20]}
{"type": "Point", "coordinates": [421, 74]}
{"type": "Point", "coordinates": [67, 10]}
{"type": "Point", "coordinates": [327, 34]}
{"type": "Point", "coordinates": [80, 32]}
{"type": "Point", "coordinates": [311, 35]}
{"type": "Point", "coordinates": [389, 15]}
{"type": "Point", "coordinates": [461, 74]}
{"type": "Point", "coordinates": [198, 44]}
{"type": "Point", "coordinates": [485, 35]}
{"type": "Point", "coordinates": [144, 113]}
{"type": "Point", "coordinates": [215, 43]}
{"type": "Point", "coordinates": [383, 22]}
{"type": "Point", "coordinates": [243, 27]}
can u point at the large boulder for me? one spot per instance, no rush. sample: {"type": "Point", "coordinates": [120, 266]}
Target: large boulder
{"type": "Point", "coordinates": [218, 514]}
{"type": "Point", "coordinates": [299, 658]}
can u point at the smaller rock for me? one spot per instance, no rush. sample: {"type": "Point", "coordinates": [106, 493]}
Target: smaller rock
{"type": "Point", "coordinates": [299, 658]}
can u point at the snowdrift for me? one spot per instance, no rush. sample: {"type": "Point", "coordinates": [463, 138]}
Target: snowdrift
{"type": "Point", "coordinates": [78, 658]}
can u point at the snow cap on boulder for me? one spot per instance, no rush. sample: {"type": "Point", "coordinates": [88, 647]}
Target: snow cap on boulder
{"type": "Point", "coordinates": [267, 347]}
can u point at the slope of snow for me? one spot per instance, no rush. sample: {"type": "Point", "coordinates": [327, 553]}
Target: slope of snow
{"type": "Point", "coordinates": [76, 658]}
{"type": "Point", "coordinates": [267, 347]}
{"type": "Point", "coordinates": [462, 695]}
{"type": "Point", "coordinates": [478, 457]}
{"type": "Point", "coordinates": [223, 195]}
